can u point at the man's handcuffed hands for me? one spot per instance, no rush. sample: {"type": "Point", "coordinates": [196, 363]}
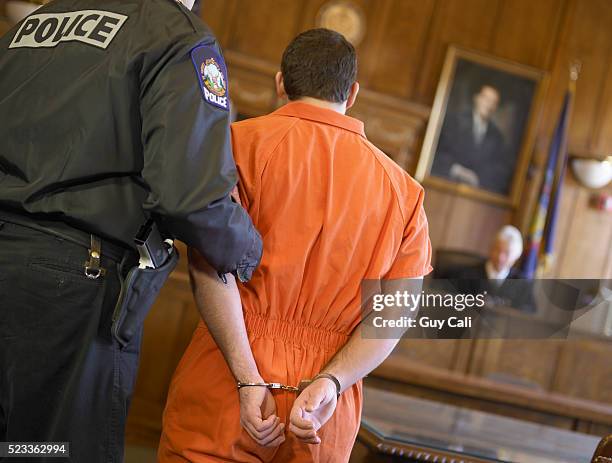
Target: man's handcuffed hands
{"type": "Point", "coordinates": [312, 409]}
{"type": "Point", "coordinates": [258, 416]}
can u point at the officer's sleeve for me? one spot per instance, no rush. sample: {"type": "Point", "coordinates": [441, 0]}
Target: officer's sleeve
{"type": "Point", "coordinates": [188, 164]}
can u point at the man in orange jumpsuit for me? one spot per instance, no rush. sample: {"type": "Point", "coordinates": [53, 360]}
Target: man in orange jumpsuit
{"type": "Point", "coordinates": [332, 210]}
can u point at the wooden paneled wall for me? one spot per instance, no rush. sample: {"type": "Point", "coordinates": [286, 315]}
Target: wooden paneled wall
{"type": "Point", "coordinates": [4, 25]}
{"type": "Point", "coordinates": [401, 58]}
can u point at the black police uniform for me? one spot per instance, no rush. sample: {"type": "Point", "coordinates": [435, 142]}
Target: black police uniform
{"type": "Point", "coordinates": [109, 112]}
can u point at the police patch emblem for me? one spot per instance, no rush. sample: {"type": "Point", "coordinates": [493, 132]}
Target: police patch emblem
{"type": "Point", "coordinates": [212, 75]}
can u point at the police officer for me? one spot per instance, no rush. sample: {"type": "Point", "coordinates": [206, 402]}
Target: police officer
{"type": "Point", "coordinates": [110, 113]}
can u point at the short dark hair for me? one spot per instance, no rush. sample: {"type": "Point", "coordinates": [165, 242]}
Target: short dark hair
{"type": "Point", "coordinates": [319, 63]}
{"type": "Point", "coordinates": [483, 86]}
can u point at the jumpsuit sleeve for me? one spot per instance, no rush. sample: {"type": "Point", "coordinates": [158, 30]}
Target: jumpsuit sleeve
{"type": "Point", "coordinates": [414, 257]}
{"type": "Point", "coordinates": [189, 168]}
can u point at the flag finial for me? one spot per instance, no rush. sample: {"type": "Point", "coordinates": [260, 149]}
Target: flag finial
{"type": "Point", "coordinates": [574, 69]}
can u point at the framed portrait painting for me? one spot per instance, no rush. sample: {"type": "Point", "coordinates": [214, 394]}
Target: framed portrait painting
{"type": "Point", "coordinates": [482, 127]}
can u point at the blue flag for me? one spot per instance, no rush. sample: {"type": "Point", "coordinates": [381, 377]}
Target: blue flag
{"type": "Point", "coordinates": [544, 220]}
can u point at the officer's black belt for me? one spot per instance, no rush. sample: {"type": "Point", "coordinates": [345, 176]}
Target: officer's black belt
{"type": "Point", "coordinates": [64, 231]}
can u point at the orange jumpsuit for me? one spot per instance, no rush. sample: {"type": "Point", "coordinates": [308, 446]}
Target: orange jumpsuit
{"type": "Point", "coordinates": [332, 210]}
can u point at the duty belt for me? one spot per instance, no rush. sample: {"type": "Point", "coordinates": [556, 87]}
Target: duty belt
{"type": "Point", "coordinates": [97, 247]}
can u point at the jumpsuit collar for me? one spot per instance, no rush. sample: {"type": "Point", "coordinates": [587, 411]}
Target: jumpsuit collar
{"type": "Point", "coordinates": [326, 116]}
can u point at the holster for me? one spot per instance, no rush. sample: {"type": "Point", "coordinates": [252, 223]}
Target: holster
{"type": "Point", "coordinates": [139, 289]}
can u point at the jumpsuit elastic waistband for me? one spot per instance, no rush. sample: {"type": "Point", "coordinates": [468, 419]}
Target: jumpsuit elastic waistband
{"type": "Point", "coordinates": [293, 333]}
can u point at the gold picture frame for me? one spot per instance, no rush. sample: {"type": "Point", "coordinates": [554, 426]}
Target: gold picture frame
{"type": "Point", "coordinates": [516, 150]}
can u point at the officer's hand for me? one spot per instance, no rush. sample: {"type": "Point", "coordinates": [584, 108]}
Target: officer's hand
{"type": "Point", "coordinates": [312, 409]}
{"type": "Point", "coordinates": [258, 416]}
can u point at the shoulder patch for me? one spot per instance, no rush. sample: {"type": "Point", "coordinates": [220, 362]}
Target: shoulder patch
{"type": "Point", "coordinates": [212, 75]}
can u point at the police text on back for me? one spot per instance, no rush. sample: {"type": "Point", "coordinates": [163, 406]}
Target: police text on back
{"type": "Point", "coordinates": [94, 27]}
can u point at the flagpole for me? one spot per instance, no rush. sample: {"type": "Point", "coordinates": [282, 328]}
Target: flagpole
{"type": "Point", "coordinates": [548, 260]}
{"type": "Point", "coordinates": [542, 229]}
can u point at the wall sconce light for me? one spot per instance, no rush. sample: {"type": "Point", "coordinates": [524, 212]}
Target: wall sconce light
{"type": "Point", "coordinates": [16, 10]}
{"type": "Point", "coordinates": [592, 173]}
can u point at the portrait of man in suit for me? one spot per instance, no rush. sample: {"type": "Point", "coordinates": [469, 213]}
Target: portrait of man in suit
{"type": "Point", "coordinates": [472, 148]}
{"type": "Point", "coordinates": [482, 127]}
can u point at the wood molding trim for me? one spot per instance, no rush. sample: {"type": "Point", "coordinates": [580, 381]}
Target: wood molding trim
{"type": "Point", "coordinates": [491, 391]}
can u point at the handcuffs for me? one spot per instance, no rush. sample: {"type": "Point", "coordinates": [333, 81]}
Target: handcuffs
{"type": "Point", "coordinates": [299, 388]}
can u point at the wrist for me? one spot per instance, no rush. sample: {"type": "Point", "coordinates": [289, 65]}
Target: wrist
{"type": "Point", "coordinates": [333, 380]}
{"type": "Point", "coordinates": [249, 377]}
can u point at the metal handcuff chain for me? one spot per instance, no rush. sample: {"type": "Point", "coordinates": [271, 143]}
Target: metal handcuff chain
{"type": "Point", "coordinates": [299, 388]}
